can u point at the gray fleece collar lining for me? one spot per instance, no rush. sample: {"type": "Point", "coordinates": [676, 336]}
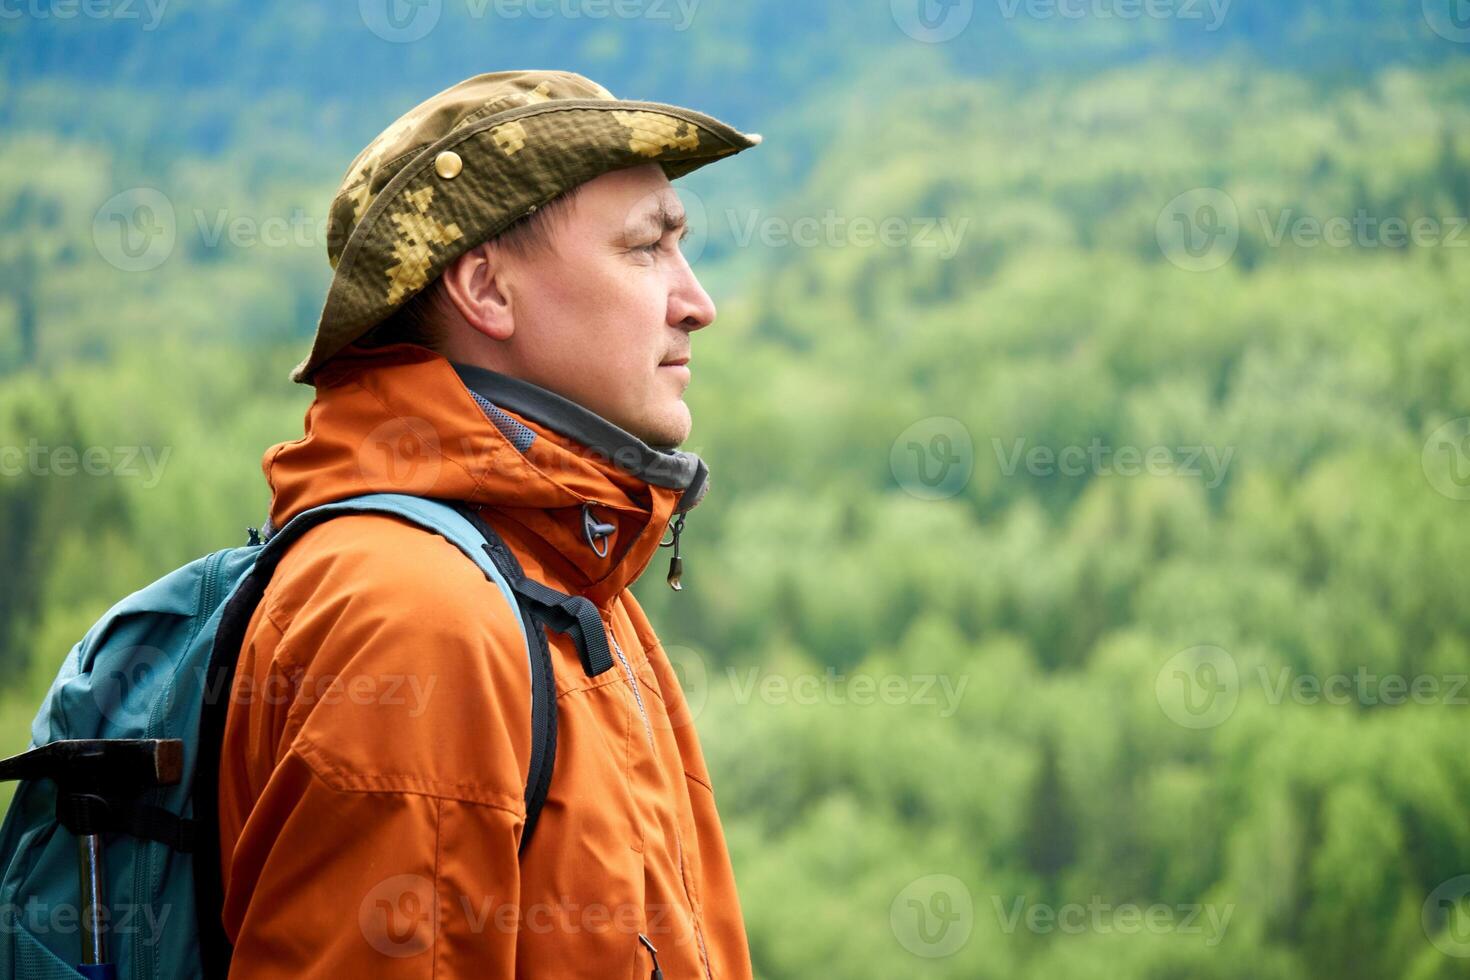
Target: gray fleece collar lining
{"type": "Point", "coordinates": [671, 468]}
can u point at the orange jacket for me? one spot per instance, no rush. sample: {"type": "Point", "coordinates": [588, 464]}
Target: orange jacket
{"type": "Point", "coordinates": [373, 772]}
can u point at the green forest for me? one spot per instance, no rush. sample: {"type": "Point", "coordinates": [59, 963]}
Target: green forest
{"type": "Point", "coordinates": [1081, 588]}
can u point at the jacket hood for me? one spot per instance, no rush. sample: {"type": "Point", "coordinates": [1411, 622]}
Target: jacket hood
{"type": "Point", "coordinates": [587, 500]}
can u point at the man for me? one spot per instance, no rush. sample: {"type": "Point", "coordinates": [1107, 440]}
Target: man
{"type": "Point", "coordinates": [508, 325]}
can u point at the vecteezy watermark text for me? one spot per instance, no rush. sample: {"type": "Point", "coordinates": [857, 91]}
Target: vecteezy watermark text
{"type": "Point", "coordinates": [1099, 459]}
{"type": "Point", "coordinates": [1201, 686]}
{"type": "Point", "coordinates": [37, 459]}
{"type": "Point", "coordinates": [408, 690]}
{"type": "Point", "coordinates": [1212, 12]}
{"type": "Point", "coordinates": [121, 918]}
{"type": "Point", "coordinates": [1125, 918]}
{"type": "Point", "coordinates": [405, 21]}
{"type": "Point", "coordinates": [1201, 230]}
{"type": "Point", "coordinates": [833, 687]}
{"type": "Point", "coordinates": [833, 230]}
{"type": "Point", "coordinates": [1363, 687]}
{"type": "Point", "coordinates": [149, 11]}
{"type": "Point", "coordinates": [401, 915]}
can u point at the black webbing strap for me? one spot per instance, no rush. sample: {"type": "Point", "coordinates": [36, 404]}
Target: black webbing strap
{"type": "Point", "coordinates": [573, 615]}
{"type": "Point", "coordinates": [543, 675]}
{"type": "Point", "coordinates": [91, 813]}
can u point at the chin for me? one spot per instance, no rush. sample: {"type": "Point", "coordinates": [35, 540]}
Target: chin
{"type": "Point", "coordinates": [666, 429]}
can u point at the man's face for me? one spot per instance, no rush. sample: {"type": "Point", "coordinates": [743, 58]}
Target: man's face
{"type": "Point", "coordinates": [598, 316]}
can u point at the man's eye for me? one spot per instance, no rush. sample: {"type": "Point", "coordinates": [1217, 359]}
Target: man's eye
{"type": "Point", "coordinates": [651, 246]}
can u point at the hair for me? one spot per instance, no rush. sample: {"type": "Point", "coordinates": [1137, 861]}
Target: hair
{"type": "Point", "coordinates": [420, 321]}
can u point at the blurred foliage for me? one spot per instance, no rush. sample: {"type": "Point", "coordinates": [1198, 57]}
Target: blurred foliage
{"type": "Point", "coordinates": [1050, 761]}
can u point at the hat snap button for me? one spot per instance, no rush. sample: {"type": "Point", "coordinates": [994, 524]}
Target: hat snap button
{"type": "Point", "coordinates": [448, 164]}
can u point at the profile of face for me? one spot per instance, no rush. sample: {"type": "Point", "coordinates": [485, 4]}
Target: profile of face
{"type": "Point", "coordinates": [603, 316]}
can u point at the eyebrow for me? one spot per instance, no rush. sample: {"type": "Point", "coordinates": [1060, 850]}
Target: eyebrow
{"type": "Point", "coordinates": [663, 220]}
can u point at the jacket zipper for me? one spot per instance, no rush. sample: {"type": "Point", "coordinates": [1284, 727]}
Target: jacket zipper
{"type": "Point", "coordinates": [632, 680]}
{"type": "Point", "coordinates": [693, 913]}
{"type": "Point", "coordinates": [698, 932]}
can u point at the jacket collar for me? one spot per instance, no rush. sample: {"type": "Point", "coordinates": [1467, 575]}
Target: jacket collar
{"type": "Point", "coordinates": [583, 502]}
{"type": "Point", "coordinates": [661, 466]}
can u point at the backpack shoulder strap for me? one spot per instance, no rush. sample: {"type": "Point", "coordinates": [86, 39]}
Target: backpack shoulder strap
{"type": "Point", "coordinates": [459, 525]}
{"type": "Point", "coordinates": [574, 615]}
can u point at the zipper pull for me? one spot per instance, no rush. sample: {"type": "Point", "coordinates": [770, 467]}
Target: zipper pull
{"type": "Point", "coordinates": [676, 564]}
{"type": "Point", "coordinates": [657, 974]}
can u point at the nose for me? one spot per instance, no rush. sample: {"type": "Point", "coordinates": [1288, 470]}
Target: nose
{"type": "Point", "coordinates": [690, 307]}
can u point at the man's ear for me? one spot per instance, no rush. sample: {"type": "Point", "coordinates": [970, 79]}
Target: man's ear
{"type": "Point", "coordinates": [476, 285]}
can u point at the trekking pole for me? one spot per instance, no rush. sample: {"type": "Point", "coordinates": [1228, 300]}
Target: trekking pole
{"type": "Point", "coordinates": [94, 965]}
{"type": "Point", "coordinates": [96, 781]}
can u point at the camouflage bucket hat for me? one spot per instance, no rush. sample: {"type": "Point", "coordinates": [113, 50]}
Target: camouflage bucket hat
{"type": "Point", "coordinates": [458, 169]}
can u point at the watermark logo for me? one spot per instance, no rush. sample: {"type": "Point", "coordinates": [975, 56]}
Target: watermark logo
{"type": "Point", "coordinates": [398, 917]}
{"type": "Point", "coordinates": [933, 916]}
{"type": "Point", "coordinates": [933, 458]}
{"type": "Point", "coordinates": [1446, 458]}
{"type": "Point", "coordinates": [1445, 917]}
{"type": "Point", "coordinates": [124, 689]}
{"type": "Point", "coordinates": [1199, 230]}
{"type": "Point", "coordinates": [1198, 687]}
{"type": "Point", "coordinates": [400, 21]}
{"type": "Point", "coordinates": [1450, 19]}
{"type": "Point", "coordinates": [692, 672]}
{"type": "Point", "coordinates": [653, 216]}
{"type": "Point", "coordinates": [932, 21]}
{"type": "Point", "coordinates": [403, 452]}
{"type": "Point", "coordinates": [135, 230]}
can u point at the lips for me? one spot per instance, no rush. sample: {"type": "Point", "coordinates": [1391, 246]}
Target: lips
{"type": "Point", "coordinates": [674, 361]}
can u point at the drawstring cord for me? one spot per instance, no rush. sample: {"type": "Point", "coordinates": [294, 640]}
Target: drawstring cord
{"type": "Point", "coordinates": [596, 533]}
{"type": "Point", "coordinates": [676, 564]}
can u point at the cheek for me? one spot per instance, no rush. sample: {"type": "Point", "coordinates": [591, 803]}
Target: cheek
{"type": "Point", "coordinates": [610, 283]}
{"type": "Point", "coordinates": [610, 308]}
{"type": "Point", "coordinates": [637, 292]}
{"type": "Point", "coordinates": [630, 305]}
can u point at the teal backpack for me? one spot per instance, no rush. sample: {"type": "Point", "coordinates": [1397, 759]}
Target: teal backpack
{"type": "Point", "coordinates": [109, 854]}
